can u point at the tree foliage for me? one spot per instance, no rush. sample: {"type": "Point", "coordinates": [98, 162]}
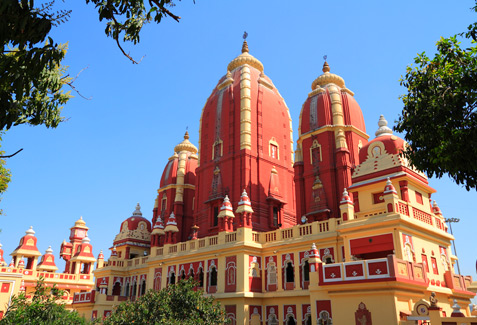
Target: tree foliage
{"type": "Point", "coordinates": [32, 75]}
{"type": "Point", "coordinates": [177, 304]}
{"type": "Point", "coordinates": [32, 78]}
{"type": "Point", "coordinates": [126, 18]}
{"type": "Point", "coordinates": [439, 117]}
{"type": "Point", "coordinates": [45, 307]}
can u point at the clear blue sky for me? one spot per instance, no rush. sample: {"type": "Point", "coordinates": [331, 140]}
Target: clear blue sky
{"type": "Point", "coordinates": [111, 152]}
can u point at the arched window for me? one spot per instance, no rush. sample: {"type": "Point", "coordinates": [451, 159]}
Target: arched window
{"type": "Point", "coordinates": [117, 288]}
{"type": "Point", "coordinates": [291, 320]}
{"type": "Point", "coordinates": [191, 272]}
{"type": "Point", "coordinates": [172, 278]}
{"type": "Point", "coordinates": [273, 149]}
{"type": "Point", "coordinates": [231, 273]}
{"type": "Point", "coordinates": [254, 270]}
{"type": "Point", "coordinates": [217, 151]}
{"type": "Point", "coordinates": [271, 273]}
{"type": "Point", "coordinates": [134, 289]}
{"type": "Point", "coordinates": [201, 277]}
{"type": "Point", "coordinates": [183, 274]}
{"type": "Point", "coordinates": [315, 153]}
{"type": "Point", "coordinates": [306, 271]}
{"type": "Point", "coordinates": [213, 276]}
{"type": "Point", "coordinates": [143, 287]}
{"type": "Point", "coordinates": [157, 281]}
{"type": "Point", "coordinates": [289, 273]}
{"type": "Point", "coordinates": [126, 291]}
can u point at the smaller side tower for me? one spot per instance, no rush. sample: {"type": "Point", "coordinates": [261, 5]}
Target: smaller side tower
{"type": "Point", "coordinates": [67, 249]}
{"type": "Point", "coordinates": [134, 238]}
{"type": "Point", "coordinates": [26, 249]}
{"type": "Point", "coordinates": [83, 259]}
{"type": "Point", "coordinates": [47, 263]}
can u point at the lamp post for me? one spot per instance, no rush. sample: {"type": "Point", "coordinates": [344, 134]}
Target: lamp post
{"type": "Point", "coordinates": [450, 221]}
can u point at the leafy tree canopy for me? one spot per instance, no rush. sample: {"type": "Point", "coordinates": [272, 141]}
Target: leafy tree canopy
{"type": "Point", "coordinates": [45, 308]}
{"type": "Point", "coordinates": [32, 79]}
{"type": "Point", "coordinates": [177, 304]}
{"type": "Point", "coordinates": [439, 118]}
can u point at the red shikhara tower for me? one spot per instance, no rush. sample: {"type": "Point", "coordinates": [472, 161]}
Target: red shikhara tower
{"type": "Point", "coordinates": [246, 143]}
{"type": "Point", "coordinates": [331, 133]}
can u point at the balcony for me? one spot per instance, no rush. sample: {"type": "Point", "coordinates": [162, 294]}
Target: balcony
{"type": "Point", "coordinates": [380, 269]}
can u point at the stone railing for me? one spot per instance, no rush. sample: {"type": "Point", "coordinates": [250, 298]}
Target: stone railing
{"type": "Point", "coordinates": [241, 235]}
{"type": "Point", "coordinates": [385, 269]}
{"type": "Point", "coordinates": [404, 208]}
{"type": "Point", "coordinates": [84, 297]}
{"type": "Point", "coordinates": [64, 277]}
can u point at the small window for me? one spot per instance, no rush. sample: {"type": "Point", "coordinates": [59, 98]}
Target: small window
{"type": "Point", "coordinates": [434, 265]}
{"type": "Point", "coordinates": [216, 216]}
{"type": "Point", "coordinates": [275, 216]}
{"type": "Point", "coordinates": [273, 150]}
{"type": "Point", "coordinates": [213, 277]}
{"type": "Point", "coordinates": [315, 153]}
{"type": "Point", "coordinates": [419, 198]}
{"type": "Point", "coordinates": [424, 262]}
{"type": "Point", "coordinates": [143, 287]}
{"type": "Point", "coordinates": [172, 278]}
{"type": "Point", "coordinates": [289, 273]}
{"type": "Point", "coordinates": [378, 198]}
{"type": "Point", "coordinates": [217, 150]}
{"type": "Point", "coordinates": [306, 271]}
{"type": "Point", "coordinates": [201, 278]}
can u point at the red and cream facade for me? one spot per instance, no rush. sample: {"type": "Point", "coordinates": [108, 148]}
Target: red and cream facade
{"type": "Point", "coordinates": [341, 231]}
{"type": "Point", "coordinates": [26, 267]}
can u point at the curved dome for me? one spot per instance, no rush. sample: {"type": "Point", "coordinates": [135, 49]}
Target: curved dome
{"type": "Point", "coordinates": [392, 145]}
{"type": "Point", "coordinates": [385, 142]}
{"type": "Point", "coordinates": [317, 109]}
{"type": "Point", "coordinates": [169, 175]}
{"type": "Point", "coordinates": [133, 222]}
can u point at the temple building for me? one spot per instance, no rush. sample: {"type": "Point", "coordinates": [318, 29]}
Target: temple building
{"type": "Point", "coordinates": [26, 267]}
{"type": "Point", "coordinates": [341, 230]}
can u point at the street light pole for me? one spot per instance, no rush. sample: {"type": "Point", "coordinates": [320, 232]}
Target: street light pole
{"type": "Point", "coordinates": [450, 221]}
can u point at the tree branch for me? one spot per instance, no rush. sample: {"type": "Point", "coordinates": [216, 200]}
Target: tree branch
{"type": "Point", "coordinates": [166, 11]}
{"type": "Point", "coordinates": [10, 156]}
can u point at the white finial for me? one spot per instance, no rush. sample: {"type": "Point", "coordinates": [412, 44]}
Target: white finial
{"type": "Point", "coordinates": [226, 199]}
{"type": "Point", "coordinates": [137, 212]}
{"type": "Point", "coordinates": [49, 250]}
{"type": "Point", "coordinates": [85, 240]}
{"type": "Point", "coordinates": [345, 192]}
{"type": "Point", "coordinates": [383, 127]}
{"type": "Point", "coordinates": [30, 231]}
{"type": "Point", "coordinates": [313, 246]}
{"type": "Point", "coordinates": [388, 181]}
{"type": "Point", "coordinates": [244, 193]}
{"type": "Point", "coordinates": [455, 307]}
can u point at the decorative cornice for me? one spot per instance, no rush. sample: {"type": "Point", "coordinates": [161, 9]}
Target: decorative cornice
{"type": "Point", "coordinates": [243, 59]}
{"type": "Point", "coordinates": [326, 128]}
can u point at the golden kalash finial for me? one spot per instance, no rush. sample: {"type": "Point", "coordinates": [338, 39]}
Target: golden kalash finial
{"type": "Point", "coordinates": [326, 67]}
{"type": "Point", "coordinates": [245, 45]}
